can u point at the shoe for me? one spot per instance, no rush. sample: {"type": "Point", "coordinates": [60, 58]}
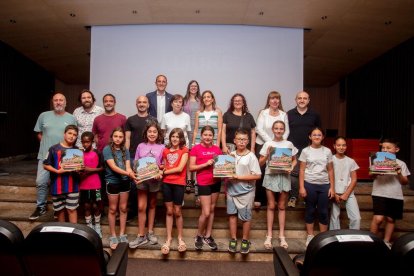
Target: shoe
{"type": "Point", "coordinates": [182, 247]}
{"type": "Point", "coordinates": [113, 242]}
{"type": "Point", "coordinates": [283, 243]}
{"type": "Point", "coordinates": [233, 246]}
{"type": "Point", "coordinates": [257, 204]}
{"type": "Point", "coordinates": [292, 202]}
{"type": "Point", "coordinates": [140, 240]}
{"type": "Point", "coordinates": [98, 230]}
{"type": "Point", "coordinates": [210, 242]}
{"type": "Point", "coordinates": [388, 244]}
{"type": "Point", "coordinates": [198, 242]}
{"type": "Point", "coordinates": [308, 239]}
{"type": "Point", "coordinates": [123, 238]}
{"type": "Point", "coordinates": [152, 238]}
{"type": "Point", "coordinates": [165, 248]}
{"type": "Point", "coordinates": [38, 212]}
{"type": "Point", "coordinates": [90, 225]}
{"type": "Point", "coordinates": [245, 247]}
{"type": "Point", "coordinates": [268, 243]}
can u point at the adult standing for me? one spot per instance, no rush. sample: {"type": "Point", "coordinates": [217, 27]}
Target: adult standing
{"type": "Point", "coordinates": [86, 113]}
{"type": "Point", "coordinates": [192, 101]}
{"type": "Point", "coordinates": [50, 127]}
{"type": "Point", "coordinates": [302, 120]}
{"type": "Point", "coordinates": [159, 100]}
{"type": "Point", "coordinates": [272, 112]}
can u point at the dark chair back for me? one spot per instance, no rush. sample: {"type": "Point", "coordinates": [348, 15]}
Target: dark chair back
{"type": "Point", "coordinates": [11, 241]}
{"type": "Point", "coordinates": [403, 254]}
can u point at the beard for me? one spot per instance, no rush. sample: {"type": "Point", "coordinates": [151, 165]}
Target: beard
{"type": "Point", "coordinates": [87, 104]}
{"type": "Point", "coordinates": [59, 108]}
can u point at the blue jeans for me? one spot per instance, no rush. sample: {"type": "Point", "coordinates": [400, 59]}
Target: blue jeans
{"type": "Point", "coordinates": [42, 182]}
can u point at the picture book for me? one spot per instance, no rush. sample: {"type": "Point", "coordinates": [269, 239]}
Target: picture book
{"type": "Point", "coordinates": [146, 168]}
{"type": "Point", "coordinates": [382, 163]}
{"type": "Point", "coordinates": [72, 160]}
{"type": "Point", "coordinates": [224, 166]}
{"type": "Point", "coordinates": [280, 159]}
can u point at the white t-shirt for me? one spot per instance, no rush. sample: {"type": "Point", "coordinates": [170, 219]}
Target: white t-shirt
{"type": "Point", "coordinates": [170, 120]}
{"type": "Point", "coordinates": [316, 171]}
{"type": "Point", "coordinates": [342, 169]}
{"type": "Point", "coordinates": [388, 185]}
{"type": "Point", "coordinates": [275, 144]}
{"type": "Point", "coordinates": [245, 165]}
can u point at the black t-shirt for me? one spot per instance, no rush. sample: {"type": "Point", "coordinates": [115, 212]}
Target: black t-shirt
{"type": "Point", "coordinates": [234, 122]}
{"type": "Point", "coordinates": [136, 125]}
{"type": "Point", "coordinates": [300, 125]}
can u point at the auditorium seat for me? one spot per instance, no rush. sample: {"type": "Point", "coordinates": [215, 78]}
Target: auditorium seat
{"type": "Point", "coordinates": [338, 252]}
{"type": "Point", "coordinates": [403, 254]}
{"type": "Point", "coordinates": [60, 248]}
{"type": "Point", "coordinates": [11, 240]}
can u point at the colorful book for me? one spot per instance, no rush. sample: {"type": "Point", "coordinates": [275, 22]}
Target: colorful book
{"type": "Point", "coordinates": [280, 159]}
{"type": "Point", "coordinates": [72, 160]}
{"type": "Point", "coordinates": [224, 166]}
{"type": "Point", "coordinates": [146, 168]}
{"type": "Point", "coordinates": [382, 163]}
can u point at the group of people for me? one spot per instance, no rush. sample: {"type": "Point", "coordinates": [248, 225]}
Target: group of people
{"type": "Point", "coordinates": [184, 134]}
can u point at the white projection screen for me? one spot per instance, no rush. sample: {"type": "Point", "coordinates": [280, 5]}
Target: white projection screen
{"type": "Point", "coordinates": [225, 59]}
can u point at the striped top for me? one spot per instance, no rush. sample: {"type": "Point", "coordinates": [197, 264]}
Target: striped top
{"type": "Point", "coordinates": [207, 118]}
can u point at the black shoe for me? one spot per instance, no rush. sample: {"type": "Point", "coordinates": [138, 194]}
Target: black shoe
{"type": "Point", "coordinates": [198, 242]}
{"type": "Point", "coordinates": [210, 242]}
{"type": "Point", "coordinates": [245, 247]}
{"type": "Point", "coordinates": [40, 211]}
{"type": "Point", "coordinates": [232, 246]}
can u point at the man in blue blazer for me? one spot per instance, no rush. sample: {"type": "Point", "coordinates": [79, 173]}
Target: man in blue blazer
{"type": "Point", "coordinates": [159, 100]}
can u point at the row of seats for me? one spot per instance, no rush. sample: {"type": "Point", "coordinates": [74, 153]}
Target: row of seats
{"type": "Point", "coordinates": [56, 248]}
{"type": "Point", "coordinates": [348, 252]}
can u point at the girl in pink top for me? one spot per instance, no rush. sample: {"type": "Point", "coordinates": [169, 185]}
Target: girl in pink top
{"type": "Point", "coordinates": [202, 161]}
{"type": "Point", "coordinates": [175, 158]}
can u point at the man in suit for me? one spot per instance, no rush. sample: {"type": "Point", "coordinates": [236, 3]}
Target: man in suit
{"type": "Point", "coordinates": [159, 100]}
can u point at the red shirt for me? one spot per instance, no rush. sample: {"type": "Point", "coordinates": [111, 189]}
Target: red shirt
{"type": "Point", "coordinates": [172, 160]}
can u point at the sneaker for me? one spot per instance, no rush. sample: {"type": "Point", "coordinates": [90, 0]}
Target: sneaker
{"type": "Point", "coordinates": [140, 240]}
{"type": "Point", "coordinates": [292, 202]}
{"type": "Point", "coordinates": [113, 242]}
{"type": "Point", "coordinates": [152, 238]}
{"type": "Point", "coordinates": [233, 246]}
{"type": "Point", "coordinates": [210, 242]}
{"type": "Point", "coordinates": [245, 247]}
{"type": "Point", "coordinates": [90, 225]}
{"type": "Point", "coordinates": [198, 242]}
{"type": "Point", "coordinates": [308, 239]}
{"type": "Point", "coordinates": [38, 212]}
{"type": "Point", "coordinates": [97, 228]}
{"type": "Point", "coordinates": [123, 238]}
{"type": "Point", "coordinates": [388, 244]}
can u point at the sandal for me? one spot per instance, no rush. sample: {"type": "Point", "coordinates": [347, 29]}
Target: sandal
{"type": "Point", "coordinates": [268, 243]}
{"type": "Point", "coordinates": [283, 243]}
{"type": "Point", "coordinates": [182, 247]}
{"type": "Point", "coordinates": [165, 248]}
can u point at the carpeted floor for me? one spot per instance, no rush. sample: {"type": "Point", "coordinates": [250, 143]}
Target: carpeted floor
{"type": "Point", "coordinates": [195, 268]}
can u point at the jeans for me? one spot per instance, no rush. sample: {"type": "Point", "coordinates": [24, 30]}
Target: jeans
{"type": "Point", "coordinates": [42, 182]}
{"type": "Point", "coordinates": [352, 211]}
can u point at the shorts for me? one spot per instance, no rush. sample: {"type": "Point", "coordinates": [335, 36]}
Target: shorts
{"type": "Point", "coordinates": [241, 205]}
{"type": "Point", "coordinates": [92, 195]}
{"type": "Point", "coordinates": [388, 207]}
{"type": "Point", "coordinates": [117, 188]}
{"type": "Point", "coordinates": [151, 186]}
{"type": "Point", "coordinates": [207, 190]}
{"type": "Point", "coordinates": [69, 201]}
{"type": "Point", "coordinates": [173, 193]}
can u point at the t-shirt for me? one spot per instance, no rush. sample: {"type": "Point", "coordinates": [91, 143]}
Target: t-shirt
{"type": "Point", "coordinates": [91, 181]}
{"type": "Point", "coordinates": [171, 120]}
{"type": "Point", "coordinates": [85, 120]}
{"type": "Point", "coordinates": [110, 175]}
{"type": "Point", "coordinates": [52, 127]}
{"type": "Point", "coordinates": [277, 144]}
{"type": "Point", "coordinates": [300, 125]}
{"type": "Point", "coordinates": [245, 165]}
{"type": "Point", "coordinates": [136, 125]}
{"type": "Point", "coordinates": [150, 150]}
{"type": "Point", "coordinates": [63, 183]}
{"type": "Point", "coordinates": [316, 171]}
{"type": "Point", "coordinates": [388, 185]}
{"type": "Point", "coordinates": [342, 169]}
{"type": "Point", "coordinates": [172, 160]}
{"type": "Point", "coordinates": [234, 122]}
{"type": "Point", "coordinates": [203, 154]}
{"type": "Point", "coordinates": [104, 125]}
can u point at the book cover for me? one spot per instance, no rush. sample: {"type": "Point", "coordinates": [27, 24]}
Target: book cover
{"type": "Point", "coordinates": [224, 166]}
{"type": "Point", "coordinates": [382, 163]}
{"type": "Point", "coordinates": [72, 160]}
{"type": "Point", "coordinates": [280, 159]}
{"type": "Point", "coordinates": [146, 168]}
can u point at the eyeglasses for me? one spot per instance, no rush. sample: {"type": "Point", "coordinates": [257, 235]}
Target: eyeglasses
{"type": "Point", "coordinates": [242, 139]}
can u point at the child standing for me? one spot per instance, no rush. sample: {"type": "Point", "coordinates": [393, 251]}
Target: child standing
{"type": "Point", "coordinates": [345, 182]}
{"type": "Point", "coordinates": [240, 191]}
{"type": "Point", "coordinates": [202, 161]}
{"type": "Point", "coordinates": [90, 184]}
{"type": "Point", "coordinates": [175, 157]}
{"type": "Point", "coordinates": [276, 182]}
{"type": "Point", "coordinates": [64, 185]}
{"type": "Point", "coordinates": [316, 182]}
{"type": "Point", "coordinates": [152, 146]}
{"type": "Point", "coordinates": [387, 195]}
{"type": "Point", "coordinates": [118, 175]}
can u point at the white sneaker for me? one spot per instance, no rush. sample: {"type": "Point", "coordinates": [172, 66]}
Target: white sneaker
{"type": "Point", "coordinates": [308, 239]}
{"type": "Point", "coordinates": [388, 244]}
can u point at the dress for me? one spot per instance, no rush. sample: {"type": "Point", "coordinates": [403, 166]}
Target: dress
{"type": "Point", "coordinates": [103, 126]}
{"type": "Point", "coordinates": [85, 120]}
{"type": "Point", "coordinates": [207, 118]}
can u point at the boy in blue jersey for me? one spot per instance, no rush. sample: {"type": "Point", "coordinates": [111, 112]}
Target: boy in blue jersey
{"type": "Point", "coordinates": [64, 185]}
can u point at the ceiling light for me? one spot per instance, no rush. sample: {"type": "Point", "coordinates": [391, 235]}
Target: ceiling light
{"type": "Point", "coordinates": [134, 11]}
{"type": "Point", "coordinates": [72, 14]}
{"type": "Point", "coordinates": [387, 23]}
{"type": "Point", "coordinates": [197, 11]}
{"type": "Point", "coordinates": [261, 13]}
{"type": "Point", "coordinates": [12, 21]}
{"type": "Point", "coordinates": [45, 47]}
{"type": "Point", "coordinates": [350, 50]}
{"type": "Point", "coordinates": [324, 17]}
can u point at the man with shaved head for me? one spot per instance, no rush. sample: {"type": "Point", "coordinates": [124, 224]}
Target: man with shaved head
{"type": "Point", "coordinates": [50, 127]}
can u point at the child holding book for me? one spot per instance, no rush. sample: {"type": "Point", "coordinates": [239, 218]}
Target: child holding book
{"type": "Point", "coordinates": [90, 184]}
{"type": "Point", "coordinates": [64, 185]}
{"type": "Point", "coordinates": [345, 182]}
{"type": "Point", "coordinates": [118, 176]}
{"type": "Point", "coordinates": [277, 181]}
{"type": "Point", "coordinates": [241, 191]}
{"type": "Point", "coordinates": [387, 194]}
{"type": "Point", "coordinates": [316, 182]}
{"type": "Point", "coordinates": [152, 146]}
{"type": "Point", "coordinates": [175, 157]}
{"type": "Point", "coordinates": [202, 161]}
